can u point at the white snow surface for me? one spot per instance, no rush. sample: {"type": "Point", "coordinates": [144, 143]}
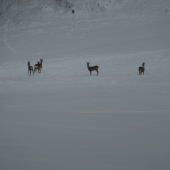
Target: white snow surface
{"type": "Point", "coordinates": [66, 119]}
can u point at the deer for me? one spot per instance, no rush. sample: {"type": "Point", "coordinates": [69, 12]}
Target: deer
{"type": "Point", "coordinates": [41, 60]}
{"type": "Point", "coordinates": [141, 69]}
{"type": "Point", "coordinates": [37, 67]}
{"type": "Point", "coordinates": [30, 68]}
{"type": "Point", "coordinates": [92, 68]}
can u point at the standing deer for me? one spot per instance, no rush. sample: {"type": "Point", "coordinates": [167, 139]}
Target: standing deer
{"type": "Point", "coordinates": [30, 68]}
{"type": "Point", "coordinates": [141, 69]}
{"type": "Point", "coordinates": [37, 67]}
{"type": "Point", "coordinates": [41, 60]}
{"type": "Point", "coordinates": [92, 68]}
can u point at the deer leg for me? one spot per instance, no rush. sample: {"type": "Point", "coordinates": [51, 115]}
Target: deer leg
{"type": "Point", "coordinates": [34, 71]}
{"type": "Point", "coordinates": [97, 72]}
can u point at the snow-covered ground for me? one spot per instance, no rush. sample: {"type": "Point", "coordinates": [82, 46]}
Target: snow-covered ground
{"type": "Point", "coordinates": [65, 119]}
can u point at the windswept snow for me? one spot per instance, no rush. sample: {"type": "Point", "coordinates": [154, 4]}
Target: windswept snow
{"type": "Point", "coordinates": [65, 119]}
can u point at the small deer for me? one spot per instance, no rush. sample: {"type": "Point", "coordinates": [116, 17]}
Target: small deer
{"type": "Point", "coordinates": [30, 68]}
{"type": "Point", "coordinates": [92, 68]}
{"type": "Point", "coordinates": [41, 61]}
{"type": "Point", "coordinates": [37, 67]}
{"type": "Point", "coordinates": [141, 69]}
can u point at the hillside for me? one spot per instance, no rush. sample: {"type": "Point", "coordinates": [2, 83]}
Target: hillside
{"type": "Point", "coordinates": [64, 118]}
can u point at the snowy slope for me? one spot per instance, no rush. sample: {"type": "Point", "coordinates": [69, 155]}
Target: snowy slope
{"type": "Point", "coordinates": [63, 118]}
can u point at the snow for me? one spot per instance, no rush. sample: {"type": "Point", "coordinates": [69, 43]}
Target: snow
{"type": "Point", "coordinates": [66, 119]}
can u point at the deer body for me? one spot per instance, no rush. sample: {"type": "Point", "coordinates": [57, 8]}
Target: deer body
{"type": "Point", "coordinates": [141, 69]}
{"type": "Point", "coordinates": [93, 68]}
{"type": "Point", "coordinates": [30, 68]}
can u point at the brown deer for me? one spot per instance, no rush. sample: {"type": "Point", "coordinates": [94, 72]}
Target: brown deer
{"type": "Point", "coordinates": [30, 68]}
{"type": "Point", "coordinates": [141, 69]}
{"type": "Point", "coordinates": [92, 68]}
{"type": "Point", "coordinates": [37, 67]}
{"type": "Point", "coordinates": [41, 61]}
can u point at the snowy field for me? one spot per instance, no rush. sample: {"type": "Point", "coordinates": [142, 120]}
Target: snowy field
{"type": "Point", "coordinates": [66, 119]}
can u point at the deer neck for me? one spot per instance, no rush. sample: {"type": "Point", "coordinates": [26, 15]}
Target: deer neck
{"type": "Point", "coordinates": [88, 66]}
{"type": "Point", "coordinates": [143, 67]}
